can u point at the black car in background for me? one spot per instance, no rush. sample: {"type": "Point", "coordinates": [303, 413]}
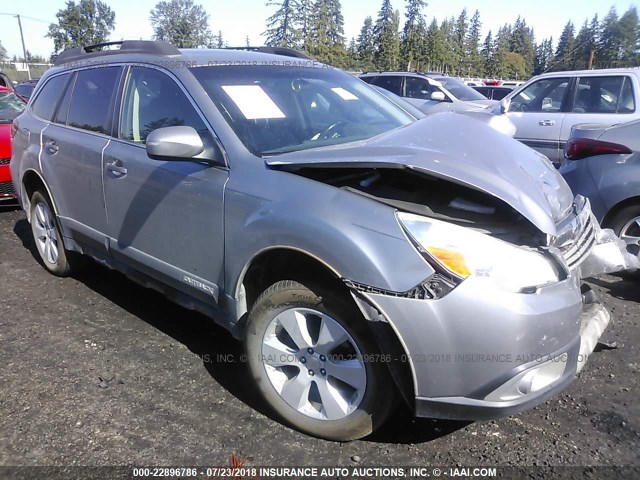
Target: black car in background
{"type": "Point", "coordinates": [493, 92]}
{"type": "Point", "coordinates": [25, 89]}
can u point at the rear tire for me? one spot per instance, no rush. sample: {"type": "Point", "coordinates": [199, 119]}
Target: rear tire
{"type": "Point", "coordinates": [316, 363]}
{"type": "Point", "coordinates": [48, 237]}
{"type": "Point", "coordinates": [626, 225]}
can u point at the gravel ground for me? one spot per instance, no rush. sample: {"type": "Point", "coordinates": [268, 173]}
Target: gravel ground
{"type": "Point", "coordinates": [99, 371]}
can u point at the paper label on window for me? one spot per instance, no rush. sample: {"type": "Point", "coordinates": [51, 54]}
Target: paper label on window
{"type": "Point", "coordinates": [253, 102]}
{"type": "Point", "coordinates": [344, 94]}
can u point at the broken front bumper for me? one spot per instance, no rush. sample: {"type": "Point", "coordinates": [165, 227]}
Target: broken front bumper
{"type": "Point", "coordinates": [483, 361]}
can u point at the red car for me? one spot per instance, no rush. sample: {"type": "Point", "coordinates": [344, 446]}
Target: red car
{"type": "Point", "coordinates": [11, 105]}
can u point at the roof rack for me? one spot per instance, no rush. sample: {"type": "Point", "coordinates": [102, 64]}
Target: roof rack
{"type": "Point", "coordinates": [153, 47]}
{"type": "Point", "coordinates": [287, 52]}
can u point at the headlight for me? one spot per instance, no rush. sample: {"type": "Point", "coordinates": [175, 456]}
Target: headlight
{"type": "Point", "coordinates": [465, 252]}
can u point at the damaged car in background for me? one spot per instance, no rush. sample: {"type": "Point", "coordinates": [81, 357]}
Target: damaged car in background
{"type": "Point", "coordinates": [360, 253]}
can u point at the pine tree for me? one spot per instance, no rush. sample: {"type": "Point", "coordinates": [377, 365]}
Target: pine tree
{"type": "Point", "coordinates": [583, 47]}
{"type": "Point", "coordinates": [629, 27]}
{"type": "Point", "coordinates": [386, 38]}
{"type": "Point", "coordinates": [522, 42]}
{"type": "Point", "coordinates": [487, 53]}
{"type": "Point", "coordinates": [564, 57]}
{"type": "Point", "coordinates": [544, 56]}
{"type": "Point", "coordinates": [325, 40]}
{"type": "Point", "coordinates": [475, 63]}
{"type": "Point", "coordinates": [610, 42]}
{"type": "Point", "coordinates": [365, 47]}
{"type": "Point", "coordinates": [459, 36]}
{"type": "Point", "coordinates": [413, 36]}
{"type": "Point", "coordinates": [282, 26]}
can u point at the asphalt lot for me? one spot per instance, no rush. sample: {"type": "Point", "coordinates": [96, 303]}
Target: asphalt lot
{"type": "Point", "coordinates": [96, 370]}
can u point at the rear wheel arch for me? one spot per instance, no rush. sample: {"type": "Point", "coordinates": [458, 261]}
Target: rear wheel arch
{"type": "Point", "coordinates": [617, 208]}
{"type": "Point", "coordinates": [32, 181]}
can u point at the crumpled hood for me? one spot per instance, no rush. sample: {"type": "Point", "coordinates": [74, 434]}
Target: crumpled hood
{"type": "Point", "coordinates": [462, 150]}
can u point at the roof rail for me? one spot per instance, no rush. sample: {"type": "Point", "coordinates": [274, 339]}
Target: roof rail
{"type": "Point", "coordinates": [287, 52]}
{"type": "Point", "coordinates": [153, 47]}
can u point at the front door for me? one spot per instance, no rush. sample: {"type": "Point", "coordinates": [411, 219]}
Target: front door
{"type": "Point", "coordinates": [537, 113]}
{"type": "Point", "coordinates": [165, 217]}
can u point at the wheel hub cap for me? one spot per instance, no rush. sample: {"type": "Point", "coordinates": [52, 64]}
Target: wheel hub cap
{"type": "Point", "coordinates": [314, 364]}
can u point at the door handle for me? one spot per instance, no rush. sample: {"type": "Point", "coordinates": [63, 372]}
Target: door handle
{"type": "Point", "coordinates": [547, 123]}
{"type": "Point", "coordinates": [117, 168]}
{"type": "Point", "coordinates": [51, 147]}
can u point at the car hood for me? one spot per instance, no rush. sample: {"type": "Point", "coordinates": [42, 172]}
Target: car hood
{"type": "Point", "coordinates": [459, 149]}
{"type": "Point", "coordinates": [5, 140]}
{"type": "Point", "coordinates": [482, 103]}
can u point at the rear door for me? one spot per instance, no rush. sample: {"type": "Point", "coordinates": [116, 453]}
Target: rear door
{"type": "Point", "coordinates": [165, 217]}
{"type": "Point", "coordinates": [538, 111]}
{"type": "Point", "coordinates": [72, 147]}
{"type": "Point", "coordinates": [605, 99]}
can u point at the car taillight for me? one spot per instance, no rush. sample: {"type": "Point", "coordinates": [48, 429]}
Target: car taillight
{"type": "Point", "coordinates": [578, 148]}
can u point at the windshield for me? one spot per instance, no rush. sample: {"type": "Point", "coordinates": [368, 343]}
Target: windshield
{"type": "Point", "coordinates": [278, 109]}
{"type": "Point", "coordinates": [459, 90]}
{"type": "Point", "coordinates": [11, 106]}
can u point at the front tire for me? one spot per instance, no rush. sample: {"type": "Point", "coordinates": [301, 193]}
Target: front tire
{"type": "Point", "coordinates": [47, 236]}
{"type": "Point", "coordinates": [315, 362]}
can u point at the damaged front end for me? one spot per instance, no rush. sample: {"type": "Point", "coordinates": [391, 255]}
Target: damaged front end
{"type": "Point", "coordinates": [583, 244]}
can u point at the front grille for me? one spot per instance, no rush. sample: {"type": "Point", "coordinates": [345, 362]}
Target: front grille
{"type": "Point", "coordinates": [6, 188]}
{"type": "Point", "coordinates": [578, 237]}
{"type": "Point", "coordinates": [5, 161]}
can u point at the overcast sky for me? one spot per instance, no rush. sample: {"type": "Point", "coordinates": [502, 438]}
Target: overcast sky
{"type": "Point", "coordinates": [239, 18]}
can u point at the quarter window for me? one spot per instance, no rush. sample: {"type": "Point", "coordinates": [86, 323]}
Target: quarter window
{"type": "Point", "coordinates": [153, 100]}
{"type": "Point", "coordinates": [45, 103]}
{"type": "Point", "coordinates": [545, 95]}
{"type": "Point", "coordinates": [91, 101]}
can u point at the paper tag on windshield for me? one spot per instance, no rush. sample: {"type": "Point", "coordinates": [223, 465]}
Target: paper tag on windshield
{"type": "Point", "coordinates": [253, 102]}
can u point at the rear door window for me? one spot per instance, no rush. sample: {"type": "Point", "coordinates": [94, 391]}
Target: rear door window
{"type": "Point", "coordinates": [605, 94]}
{"type": "Point", "coordinates": [45, 103]}
{"type": "Point", "coordinates": [389, 82]}
{"type": "Point", "coordinates": [92, 99]}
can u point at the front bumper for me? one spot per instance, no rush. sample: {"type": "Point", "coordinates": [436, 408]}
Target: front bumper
{"type": "Point", "coordinates": [479, 353]}
{"type": "Point", "coordinates": [514, 394]}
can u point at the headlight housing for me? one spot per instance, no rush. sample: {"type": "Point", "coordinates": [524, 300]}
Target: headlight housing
{"type": "Point", "coordinates": [463, 252]}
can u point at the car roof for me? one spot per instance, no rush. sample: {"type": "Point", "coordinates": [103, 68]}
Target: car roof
{"type": "Point", "coordinates": [6, 89]}
{"type": "Point", "coordinates": [606, 71]}
{"type": "Point", "coordinates": [165, 54]}
{"type": "Point", "coordinates": [417, 74]}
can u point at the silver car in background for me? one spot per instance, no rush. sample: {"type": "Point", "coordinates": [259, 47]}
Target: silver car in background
{"type": "Point", "coordinates": [603, 164]}
{"type": "Point", "coordinates": [360, 253]}
{"type": "Point", "coordinates": [546, 107]}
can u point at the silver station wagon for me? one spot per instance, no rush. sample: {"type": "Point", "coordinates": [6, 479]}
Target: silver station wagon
{"type": "Point", "coordinates": [360, 253]}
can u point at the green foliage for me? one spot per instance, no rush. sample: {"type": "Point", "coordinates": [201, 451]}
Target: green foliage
{"type": "Point", "coordinates": [3, 52]}
{"type": "Point", "coordinates": [181, 23]}
{"type": "Point", "coordinates": [413, 39]}
{"type": "Point", "coordinates": [87, 22]}
{"type": "Point", "coordinates": [283, 27]}
{"type": "Point", "coordinates": [452, 45]}
{"type": "Point", "coordinates": [325, 40]}
{"type": "Point", "coordinates": [565, 53]}
{"type": "Point", "coordinates": [365, 49]}
{"type": "Point", "coordinates": [387, 38]}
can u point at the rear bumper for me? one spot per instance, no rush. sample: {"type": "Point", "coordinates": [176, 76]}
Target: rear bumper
{"type": "Point", "coordinates": [515, 391]}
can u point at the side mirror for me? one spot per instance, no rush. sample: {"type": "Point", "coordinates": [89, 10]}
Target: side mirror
{"type": "Point", "coordinates": [504, 105]}
{"type": "Point", "coordinates": [438, 96]}
{"type": "Point", "coordinates": [174, 143]}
